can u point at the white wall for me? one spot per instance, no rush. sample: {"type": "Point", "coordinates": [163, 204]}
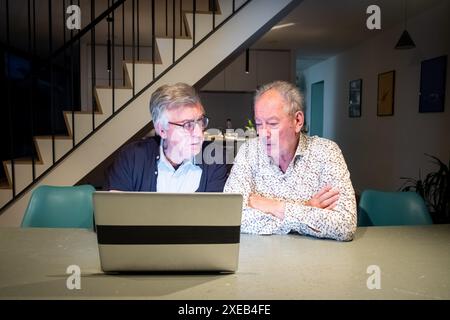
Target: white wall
{"type": "Point", "coordinates": [264, 66]}
{"type": "Point", "coordinates": [379, 150]}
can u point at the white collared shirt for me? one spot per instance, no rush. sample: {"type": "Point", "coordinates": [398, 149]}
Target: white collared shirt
{"type": "Point", "coordinates": [317, 162]}
{"type": "Point", "coordinates": [185, 179]}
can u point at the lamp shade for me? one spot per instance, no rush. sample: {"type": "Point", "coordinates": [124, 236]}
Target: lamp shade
{"type": "Point", "coordinates": [247, 61]}
{"type": "Point", "coordinates": [405, 41]}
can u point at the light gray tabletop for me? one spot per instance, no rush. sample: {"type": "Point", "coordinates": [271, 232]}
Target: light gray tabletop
{"type": "Point", "coordinates": [414, 263]}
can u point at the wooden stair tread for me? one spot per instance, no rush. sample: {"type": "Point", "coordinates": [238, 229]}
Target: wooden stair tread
{"type": "Point", "coordinates": [115, 88]}
{"type": "Point", "coordinates": [4, 184]}
{"type": "Point", "coordinates": [146, 61]}
{"type": "Point", "coordinates": [25, 160]}
{"type": "Point", "coordinates": [83, 112]}
{"type": "Point", "coordinates": [176, 37]}
{"type": "Point", "coordinates": [203, 12]}
{"type": "Point", "coordinates": [57, 137]}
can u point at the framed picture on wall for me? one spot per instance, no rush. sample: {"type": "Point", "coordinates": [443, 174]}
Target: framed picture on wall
{"type": "Point", "coordinates": [354, 98]}
{"type": "Point", "coordinates": [433, 73]}
{"type": "Point", "coordinates": [386, 88]}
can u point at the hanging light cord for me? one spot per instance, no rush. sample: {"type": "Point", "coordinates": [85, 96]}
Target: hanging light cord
{"type": "Point", "coordinates": [404, 2]}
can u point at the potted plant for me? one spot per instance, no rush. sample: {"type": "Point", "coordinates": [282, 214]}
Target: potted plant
{"type": "Point", "coordinates": [250, 129]}
{"type": "Point", "coordinates": [434, 189]}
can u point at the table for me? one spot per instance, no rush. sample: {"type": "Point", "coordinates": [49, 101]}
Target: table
{"type": "Point", "coordinates": [414, 263]}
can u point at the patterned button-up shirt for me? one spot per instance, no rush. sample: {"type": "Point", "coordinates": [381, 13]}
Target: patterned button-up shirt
{"type": "Point", "coordinates": [317, 162]}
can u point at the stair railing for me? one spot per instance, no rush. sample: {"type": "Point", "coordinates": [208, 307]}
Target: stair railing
{"type": "Point", "coordinates": [58, 77]}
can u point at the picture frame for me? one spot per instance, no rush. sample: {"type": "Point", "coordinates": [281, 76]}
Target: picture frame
{"type": "Point", "coordinates": [433, 74]}
{"type": "Point", "coordinates": [386, 89]}
{"type": "Point", "coordinates": [355, 98]}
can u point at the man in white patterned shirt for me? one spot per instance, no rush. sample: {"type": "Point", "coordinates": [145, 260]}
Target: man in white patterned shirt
{"type": "Point", "coordinates": [291, 182]}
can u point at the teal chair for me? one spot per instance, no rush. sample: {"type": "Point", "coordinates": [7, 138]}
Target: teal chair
{"type": "Point", "coordinates": [377, 208]}
{"type": "Point", "coordinates": [60, 207]}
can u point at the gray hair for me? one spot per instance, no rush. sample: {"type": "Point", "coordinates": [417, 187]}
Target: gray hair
{"type": "Point", "coordinates": [290, 93]}
{"type": "Point", "coordinates": [171, 97]}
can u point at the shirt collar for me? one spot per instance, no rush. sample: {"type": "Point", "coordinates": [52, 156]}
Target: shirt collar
{"type": "Point", "coordinates": [299, 151]}
{"type": "Point", "coordinates": [163, 158]}
{"type": "Point", "coordinates": [301, 146]}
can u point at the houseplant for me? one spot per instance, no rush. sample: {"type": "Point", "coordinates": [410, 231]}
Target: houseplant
{"type": "Point", "coordinates": [434, 189]}
{"type": "Point", "coordinates": [250, 129]}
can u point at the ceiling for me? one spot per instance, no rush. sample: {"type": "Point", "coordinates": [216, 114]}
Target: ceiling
{"type": "Point", "coordinates": [324, 28]}
{"type": "Point", "coordinates": [20, 34]}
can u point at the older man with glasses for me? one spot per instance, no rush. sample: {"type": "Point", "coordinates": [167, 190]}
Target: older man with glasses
{"type": "Point", "coordinates": [169, 161]}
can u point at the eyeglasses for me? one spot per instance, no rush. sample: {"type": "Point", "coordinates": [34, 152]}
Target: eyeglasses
{"type": "Point", "coordinates": [190, 125]}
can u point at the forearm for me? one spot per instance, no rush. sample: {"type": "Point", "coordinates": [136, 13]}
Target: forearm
{"type": "Point", "coordinates": [338, 224]}
{"type": "Point", "coordinates": [257, 222]}
{"type": "Point", "coordinates": [273, 207]}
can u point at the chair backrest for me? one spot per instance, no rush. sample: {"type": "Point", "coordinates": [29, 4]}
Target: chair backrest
{"type": "Point", "coordinates": [60, 207]}
{"type": "Point", "coordinates": [379, 208]}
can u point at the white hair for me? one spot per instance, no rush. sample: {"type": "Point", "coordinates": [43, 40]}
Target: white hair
{"type": "Point", "coordinates": [171, 97]}
{"type": "Point", "coordinates": [290, 93]}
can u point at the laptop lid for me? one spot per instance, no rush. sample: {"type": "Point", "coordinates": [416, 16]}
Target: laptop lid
{"type": "Point", "coordinates": [150, 231]}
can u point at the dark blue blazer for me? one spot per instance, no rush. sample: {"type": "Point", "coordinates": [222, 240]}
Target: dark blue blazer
{"type": "Point", "coordinates": [135, 169]}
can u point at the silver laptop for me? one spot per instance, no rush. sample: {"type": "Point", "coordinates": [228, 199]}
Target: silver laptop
{"type": "Point", "coordinates": [149, 231]}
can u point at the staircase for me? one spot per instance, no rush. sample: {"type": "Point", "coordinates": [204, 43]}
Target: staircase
{"type": "Point", "coordinates": [114, 122]}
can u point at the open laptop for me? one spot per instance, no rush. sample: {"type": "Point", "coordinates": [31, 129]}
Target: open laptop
{"type": "Point", "coordinates": [150, 231]}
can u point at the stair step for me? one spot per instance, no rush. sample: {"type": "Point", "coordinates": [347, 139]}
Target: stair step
{"type": "Point", "coordinates": [24, 160]}
{"type": "Point", "coordinates": [145, 61]}
{"type": "Point", "coordinates": [177, 36]}
{"type": "Point", "coordinates": [218, 10]}
{"type": "Point", "coordinates": [204, 19]}
{"type": "Point", "coordinates": [23, 166]}
{"type": "Point", "coordinates": [24, 172]}
{"type": "Point", "coordinates": [203, 24]}
{"type": "Point", "coordinates": [44, 147]}
{"type": "Point", "coordinates": [57, 137]}
{"type": "Point", "coordinates": [83, 120]}
{"type": "Point", "coordinates": [226, 9]}
{"type": "Point", "coordinates": [5, 196]}
{"type": "Point", "coordinates": [165, 47]}
{"type": "Point", "coordinates": [4, 184]}
{"type": "Point", "coordinates": [104, 98]}
{"type": "Point", "coordinates": [144, 71]}
{"type": "Point", "coordinates": [83, 123]}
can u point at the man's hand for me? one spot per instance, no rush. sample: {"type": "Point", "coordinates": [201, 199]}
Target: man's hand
{"type": "Point", "coordinates": [326, 198]}
{"type": "Point", "coordinates": [270, 206]}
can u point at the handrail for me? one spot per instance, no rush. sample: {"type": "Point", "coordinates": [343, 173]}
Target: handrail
{"type": "Point", "coordinates": [86, 29]}
{"type": "Point", "coordinates": [136, 91]}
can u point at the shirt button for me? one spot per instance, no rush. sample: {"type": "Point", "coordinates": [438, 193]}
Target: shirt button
{"type": "Point", "coordinates": [157, 157]}
{"type": "Point", "coordinates": [156, 172]}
